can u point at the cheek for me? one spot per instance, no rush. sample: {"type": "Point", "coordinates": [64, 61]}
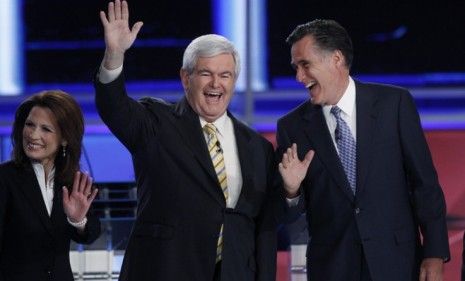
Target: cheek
{"type": "Point", "coordinates": [197, 85]}
{"type": "Point", "coordinates": [26, 132]}
{"type": "Point", "coordinates": [229, 87]}
{"type": "Point", "coordinates": [198, 99]}
{"type": "Point", "coordinates": [54, 141]}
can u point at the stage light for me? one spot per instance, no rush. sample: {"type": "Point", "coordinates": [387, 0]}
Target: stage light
{"type": "Point", "coordinates": [230, 20]}
{"type": "Point", "coordinates": [11, 57]}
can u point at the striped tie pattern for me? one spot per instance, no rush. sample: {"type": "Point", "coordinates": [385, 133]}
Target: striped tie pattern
{"type": "Point", "coordinates": [216, 155]}
{"type": "Point", "coordinates": [347, 147]}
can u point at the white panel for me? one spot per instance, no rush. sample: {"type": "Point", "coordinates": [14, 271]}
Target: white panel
{"type": "Point", "coordinates": [10, 47]}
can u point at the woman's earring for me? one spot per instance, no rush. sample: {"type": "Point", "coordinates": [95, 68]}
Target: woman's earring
{"type": "Point", "coordinates": [64, 151]}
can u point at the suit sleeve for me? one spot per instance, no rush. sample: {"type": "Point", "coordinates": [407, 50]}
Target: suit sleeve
{"type": "Point", "coordinates": [91, 231]}
{"type": "Point", "coordinates": [125, 117]}
{"type": "Point", "coordinates": [428, 198]}
{"type": "Point", "coordinates": [282, 140]}
{"type": "Point", "coordinates": [266, 237]}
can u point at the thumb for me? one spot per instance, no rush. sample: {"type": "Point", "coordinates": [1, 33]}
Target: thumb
{"type": "Point", "coordinates": [281, 168]}
{"type": "Point", "coordinates": [308, 157]}
{"type": "Point", "coordinates": [136, 28]}
{"type": "Point", "coordinates": [65, 195]}
{"type": "Point", "coordinates": [422, 274]}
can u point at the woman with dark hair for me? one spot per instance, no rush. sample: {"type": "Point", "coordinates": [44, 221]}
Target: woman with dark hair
{"type": "Point", "coordinates": [44, 198]}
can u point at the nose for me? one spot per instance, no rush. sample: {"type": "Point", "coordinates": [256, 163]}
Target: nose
{"type": "Point", "coordinates": [33, 133]}
{"type": "Point", "coordinates": [299, 76]}
{"type": "Point", "coordinates": [215, 81]}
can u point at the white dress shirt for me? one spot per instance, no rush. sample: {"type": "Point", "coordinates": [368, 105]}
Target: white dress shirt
{"type": "Point", "coordinates": [46, 185]}
{"type": "Point", "coordinates": [227, 139]}
{"type": "Point", "coordinates": [348, 112]}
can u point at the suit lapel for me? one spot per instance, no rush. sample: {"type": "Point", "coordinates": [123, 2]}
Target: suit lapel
{"type": "Point", "coordinates": [366, 121]}
{"type": "Point", "coordinates": [57, 212]}
{"type": "Point", "coordinates": [189, 128]}
{"type": "Point", "coordinates": [317, 132]}
{"type": "Point", "coordinates": [31, 190]}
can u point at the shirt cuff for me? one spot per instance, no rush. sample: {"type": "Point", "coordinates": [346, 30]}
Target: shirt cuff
{"type": "Point", "coordinates": [106, 76]}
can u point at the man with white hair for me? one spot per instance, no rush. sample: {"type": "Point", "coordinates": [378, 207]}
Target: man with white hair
{"type": "Point", "coordinates": [204, 179]}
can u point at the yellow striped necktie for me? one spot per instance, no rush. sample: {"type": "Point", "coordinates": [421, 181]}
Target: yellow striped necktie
{"type": "Point", "coordinates": [216, 155]}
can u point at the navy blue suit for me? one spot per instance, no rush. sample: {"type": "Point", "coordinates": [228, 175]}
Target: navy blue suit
{"type": "Point", "coordinates": [398, 194]}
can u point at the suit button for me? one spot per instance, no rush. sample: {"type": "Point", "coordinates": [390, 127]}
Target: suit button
{"type": "Point", "coordinates": [357, 211]}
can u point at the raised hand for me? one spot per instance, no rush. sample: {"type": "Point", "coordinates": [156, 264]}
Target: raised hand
{"type": "Point", "coordinates": [77, 202]}
{"type": "Point", "coordinates": [293, 170]}
{"type": "Point", "coordinates": [118, 36]}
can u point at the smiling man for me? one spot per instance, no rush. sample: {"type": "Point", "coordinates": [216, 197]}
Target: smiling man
{"type": "Point", "coordinates": [204, 179]}
{"type": "Point", "coordinates": [366, 180]}
{"type": "Point", "coordinates": [209, 84]}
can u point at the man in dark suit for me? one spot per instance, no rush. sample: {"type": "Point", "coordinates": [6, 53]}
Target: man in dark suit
{"type": "Point", "coordinates": [366, 180]}
{"type": "Point", "coordinates": [204, 178]}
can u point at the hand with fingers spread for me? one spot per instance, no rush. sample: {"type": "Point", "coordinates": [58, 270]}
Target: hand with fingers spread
{"type": "Point", "coordinates": [118, 36]}
{"type": "Point", "coordinates": [293, 170]}
{"type": "Point", "coordinates": [77, 202]}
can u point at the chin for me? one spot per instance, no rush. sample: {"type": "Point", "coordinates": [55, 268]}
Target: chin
{"type": "Point", "coordinates": [315, 101]}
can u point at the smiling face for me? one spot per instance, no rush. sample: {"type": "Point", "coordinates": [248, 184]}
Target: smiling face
{"type": "Point", "coordinates": [210, 86]}
{"type": "Point", "coordinates": [323, 73]}
{"type": "Point", "coordinates": [41, 136]}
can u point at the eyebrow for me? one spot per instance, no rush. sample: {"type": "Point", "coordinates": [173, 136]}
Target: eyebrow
{"type": "Point", "coordinates": [49, 126]}
{"type": "Point", "coordinates": [209, 71]}
{"type": "Point", "coordinates": [302, 61]}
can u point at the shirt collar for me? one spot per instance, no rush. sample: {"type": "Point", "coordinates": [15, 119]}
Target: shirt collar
{"type": "Point", "coordinates": [347, 101]}
{"type": "Point", "coordinates": [219, 123]}
{"type": "Point", "coordinates": [40, 172]}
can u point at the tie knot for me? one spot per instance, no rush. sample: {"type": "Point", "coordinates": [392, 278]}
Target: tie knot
{"type": "Point", "coordinates": [210, 129]}
{"type": "Point", "coordinates": [336, 111]}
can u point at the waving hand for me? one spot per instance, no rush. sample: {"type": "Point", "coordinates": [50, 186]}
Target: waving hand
{"type": "Point", "coordinates": [118, 36]}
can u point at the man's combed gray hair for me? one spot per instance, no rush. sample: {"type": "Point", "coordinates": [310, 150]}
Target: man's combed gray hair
{"type": "Point", "coordinates": [209, 45]}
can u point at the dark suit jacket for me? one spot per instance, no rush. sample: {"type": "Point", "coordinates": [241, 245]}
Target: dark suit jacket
{"type": "Point", "coordinates": [397, 194]}
{"type": "Point", "coordinates": [34, 245]}
{"type": "Point", "coordinates": [180, 203]}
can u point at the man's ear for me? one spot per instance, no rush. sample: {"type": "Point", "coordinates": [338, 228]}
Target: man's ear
{"type": "Point", "coordinates": [184, 79]}
{"type": "Point", "coordinates": [339, 58]}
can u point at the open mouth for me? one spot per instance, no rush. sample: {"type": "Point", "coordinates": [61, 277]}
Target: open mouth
{"type": "Point", "coordinates": [33, 146]}
{"type": "Point", "coordinates": [310, 85]}
{"type": "Point", "coordinates": [213, 96]}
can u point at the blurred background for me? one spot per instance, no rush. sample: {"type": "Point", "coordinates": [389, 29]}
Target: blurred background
{"type": "Point", "coordinates": [53, 44]}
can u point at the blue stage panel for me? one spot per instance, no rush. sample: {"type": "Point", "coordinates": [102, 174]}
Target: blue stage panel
{"type": "Point", "coordinates": [106, 159]}
{"type": "Point", "coordinates": [5, 149]}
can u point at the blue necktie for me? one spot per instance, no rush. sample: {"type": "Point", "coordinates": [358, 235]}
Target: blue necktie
{"type": "Point", "coordinates": [347, 149]}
